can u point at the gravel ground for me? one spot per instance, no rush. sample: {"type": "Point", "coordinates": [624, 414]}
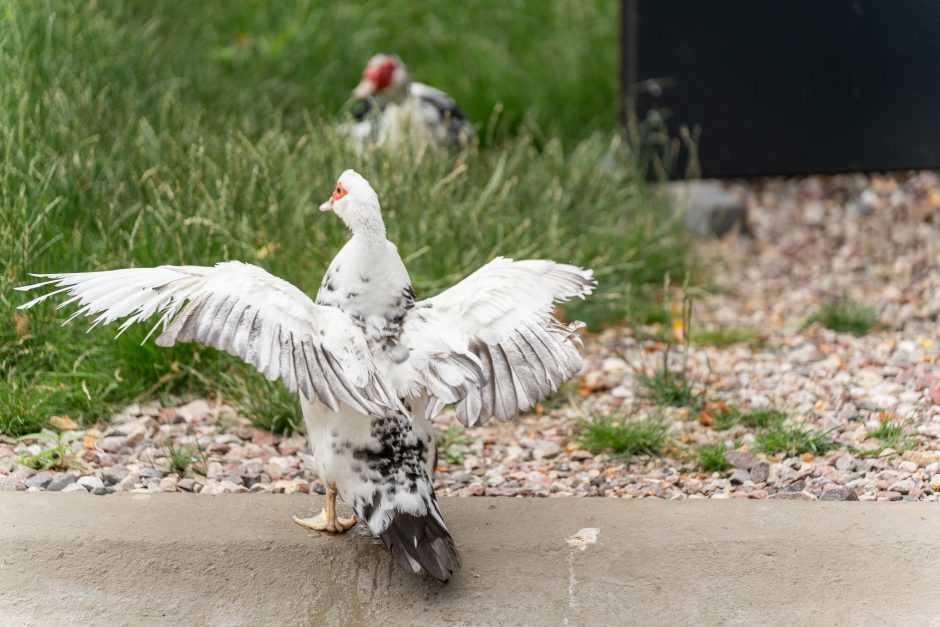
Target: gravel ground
{"type": "Point", "coordinates": [872, 239]}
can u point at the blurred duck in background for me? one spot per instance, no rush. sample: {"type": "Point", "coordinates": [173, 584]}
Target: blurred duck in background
{"type": "Point", "coordinates": [391, 110]}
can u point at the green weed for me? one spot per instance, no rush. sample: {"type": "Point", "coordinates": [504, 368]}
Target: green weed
{"type": "Point", "coordinates": [845, 316]}
{"type": "Point", "coordinates": [794, 440]}
{"type": "Point", "coordinates": [622, 436]}
{"type": "Point", "coordinates": [712, 458]}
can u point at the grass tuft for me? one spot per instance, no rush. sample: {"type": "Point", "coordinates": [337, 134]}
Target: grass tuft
{"type": "Point", "coordinates": [665, 387]}
{"type": "Point", "coordinates": [722, 337]}
{"type": "Point", "coordinates": [623, 437]}
{"type": "Point", "coordinates": [845, 316]}
{"type": "Point", "coordinates": [755, 418]}
{"type": "Point", "coordinates": [890, 434]}
{"type": "Point", "coordinates": [712, 458]}
{"type": "Point", "coordinates": [794, 440]}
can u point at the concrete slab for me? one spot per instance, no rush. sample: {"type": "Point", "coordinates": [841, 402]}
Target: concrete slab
{"type": "Point", "coordinates": [173, 559]}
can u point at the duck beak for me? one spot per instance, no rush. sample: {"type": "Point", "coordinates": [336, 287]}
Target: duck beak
{"type": "Point", "coordinates": [364, 89]}
{"type": "Point", "coordinates": [327, 206]}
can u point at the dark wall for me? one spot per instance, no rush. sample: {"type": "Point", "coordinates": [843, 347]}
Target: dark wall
{"type": "Point", "coordinates": [792, 86]}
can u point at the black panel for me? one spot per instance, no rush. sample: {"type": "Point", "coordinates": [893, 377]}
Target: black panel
{"type": "Point", "coordinates": [792, 86]}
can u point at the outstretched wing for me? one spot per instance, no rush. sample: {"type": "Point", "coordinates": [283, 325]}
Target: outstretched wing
{"type": "Point", "coordinates": [501, 317]}
{"type": "Point", "coordinates": [243, 310]}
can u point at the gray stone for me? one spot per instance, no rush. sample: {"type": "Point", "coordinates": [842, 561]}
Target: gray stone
{"type": "Point", "coordinates": [102, 491]}
{"type": "Point", "coordinates": [193, 410]}
{"type": "Point", "coordinates": [741, 459]}
{"type": "Point", "coordinates": [112, 444]}
{"type": "Point", "coordinates": [739, 476]}
{"type": "Point", "coordinates": [61, 482]}
{"type": "Point", "coordinates": [759, 472]}
{"type": "Point", "coordinates": [844, 462]}
{"type": "Point", "coordinates": [113, 475]}
{"type": "Point", "coordinates": [150, 473]}
{"type": "Point", "coordinates": [707, 208]}
{"type": "Point", "coordinates": [73, 487]}
{"type": "Point", "coordinates": [904, 486]}
{"type": "Point", "coordinates": [40, 480]}
{"type": "Point", "coordinates": [840, 493]}
{"type": "Point", "coordinates": [461, 477]}
{"type": "Point", "coordinates": [91, 482]}
{"type": "Point", "coordinates": [7, 484]}
{"type": "Point", "coordinates": [186, 485]}
{"type": "Point", "coordinates": [545, 449]}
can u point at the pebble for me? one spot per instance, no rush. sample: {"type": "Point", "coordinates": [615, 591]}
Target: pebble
{"type": "Point", "coordinates": [740, 476]}
{"type": "Point", "coordinates": [904, 486]}
{"type": "Point", "coordinates": [760, 472]}
{"type": "Point", "coordinates": [40, 480]}
{"type": "Point", "coordinates": [61, 482]}
{"type": "Point", "coordinates": [844, 462]}
{"type": "Point", "coordinates": [169, 483]}
{"type": "Point", "coordinates": [113, 475]}
{"type": "Point", "coordinates": [90, 482]}
{"type": "Point", "coordinates": [839, 493]}
{"type": "Point", "coordinates": [741, 459]}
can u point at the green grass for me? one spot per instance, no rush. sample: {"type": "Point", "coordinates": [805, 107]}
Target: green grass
{"type": "Point", "coordinates": [722, 337]}
{"type": "Point", "coordinates": [755, 418]}
{"type": "Point", "coordinates": [622, 436]}
{"type": "Point", "coordinates": [139, 134]}
{"type": "Point", "coordinates": [180, 459]}
{"type": "Point", "coordinates": [794, 440]}
{"type": "Point", "coordinates": [845, 316]}
{"type": "Point", "coordinates": [669, 388]}
{"type": "Point", "coordinates": [712, 458]}
{"type": "Point", "coordinates": [452, 441]}
{"type": "Point", "coordinates": [890, 434]}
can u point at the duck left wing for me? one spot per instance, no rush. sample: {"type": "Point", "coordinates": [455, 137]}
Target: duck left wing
{"type": "Point", "coordinates": [491, 343]}
{"type": "Point", "coordinates": [245, 311]}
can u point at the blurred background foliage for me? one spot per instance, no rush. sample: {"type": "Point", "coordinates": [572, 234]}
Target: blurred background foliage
{"type": "Point", "coordinates": [143, 133]}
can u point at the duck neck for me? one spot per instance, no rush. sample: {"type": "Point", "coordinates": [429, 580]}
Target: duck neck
{"type": "Point", "coordinates": [371, 230]}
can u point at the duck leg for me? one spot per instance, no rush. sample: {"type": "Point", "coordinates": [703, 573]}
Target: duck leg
{"type": "Point", "coordinates": [327, 520]}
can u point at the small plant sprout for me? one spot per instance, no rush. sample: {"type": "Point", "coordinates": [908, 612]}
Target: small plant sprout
{"type": "Point", "coordinates": [452, 442]}
{"type": "Point", "coordinates": [55, 451]}
{"type": "Point", "coordinates": [666, 386]}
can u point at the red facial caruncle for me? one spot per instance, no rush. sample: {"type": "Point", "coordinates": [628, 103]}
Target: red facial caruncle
{"type": "Point", "coordinates": [380, 73]}
{"type": "Point", "coordinates": [339, 192]}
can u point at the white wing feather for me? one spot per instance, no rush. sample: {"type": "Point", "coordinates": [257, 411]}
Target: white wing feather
{"type": "Point", "coordinates": [243, 310]}
{"type": "Point", "coordinates": [491, 344]}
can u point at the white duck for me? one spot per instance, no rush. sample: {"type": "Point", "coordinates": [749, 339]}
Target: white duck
{"type": "Point", "coordinates": [392, 110]}
{"type": "Point", "coordinates": [371, 364]}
